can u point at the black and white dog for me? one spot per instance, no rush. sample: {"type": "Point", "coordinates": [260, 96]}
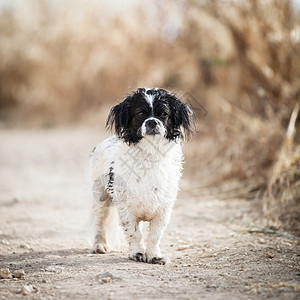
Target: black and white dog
{"type": "Point", "coordinates": [136, 171]}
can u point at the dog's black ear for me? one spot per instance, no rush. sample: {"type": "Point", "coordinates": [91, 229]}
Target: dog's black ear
{"type": "Point", "coordinates": [119, 118]}
{"type": "Point", "coordinates": [184, 118]}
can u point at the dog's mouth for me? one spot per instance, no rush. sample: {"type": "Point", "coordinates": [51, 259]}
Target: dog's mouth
{"type": "Point", "coordinates": [152, 131]}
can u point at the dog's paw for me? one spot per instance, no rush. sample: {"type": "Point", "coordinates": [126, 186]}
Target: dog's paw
{"type": "Point", "coordinates": [99, 249]}
{"type": "Point", "coordinates": [157, 260]}
{"type": "Point", "coordinates": [138, 256]}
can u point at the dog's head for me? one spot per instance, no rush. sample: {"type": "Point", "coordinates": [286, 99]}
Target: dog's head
{"type": "Point", "coordinates": [150, 112]}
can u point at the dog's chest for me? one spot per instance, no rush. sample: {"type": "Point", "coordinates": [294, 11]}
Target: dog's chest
{"type": "Point", "coordinates": [146, 183]}
{"type": "Point", "coordinates": [147, 195]}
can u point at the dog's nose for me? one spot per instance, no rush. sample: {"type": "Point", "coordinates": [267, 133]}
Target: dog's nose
{"type": "Point", "coordinates": [151, 123]}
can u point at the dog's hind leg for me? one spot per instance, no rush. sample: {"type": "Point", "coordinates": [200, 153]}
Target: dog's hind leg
{"type": "Point", "coordinates": [100, 214]}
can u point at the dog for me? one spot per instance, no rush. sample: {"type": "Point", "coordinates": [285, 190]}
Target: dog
{"type": "Point", "coordinates": [136, 171]}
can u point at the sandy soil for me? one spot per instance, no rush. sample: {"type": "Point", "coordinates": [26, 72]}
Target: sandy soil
{"type": "Point", "coordinates": [44, 230]}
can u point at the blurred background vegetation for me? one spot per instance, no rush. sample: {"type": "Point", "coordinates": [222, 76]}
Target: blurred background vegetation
{"type": "Point", "coordinates": [66, 62]}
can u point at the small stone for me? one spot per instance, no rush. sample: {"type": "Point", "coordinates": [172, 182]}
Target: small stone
{"type": "Point", "coordinates": [183, 247]}
{"type": "Point", "coordinates": [270, 255]}
{"type": "Point", "coordinates": [106, 279]}
{"type": "Point", "coordinates": [24, 246]}
{"type": "Point", "coordinates": [19, 273]}
{"type": "Point", "coordinates": [5, 242]}
{"type": "Point", "coordinates": [52, 257]}
{"type": "Point", "coordinates": [261, 241]}
{"type": "Point", "coordinates": [28, 289]}
{"type": "Point", "coordinates": [211, 286]}
{"type": "Point", "coordinates": [106, 275]}
{"type": "Point", "coordinates": [5, 273]}
{"type": "Point", "coordinates": [54, 269]}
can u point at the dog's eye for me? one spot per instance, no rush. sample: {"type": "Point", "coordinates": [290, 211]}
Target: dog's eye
{"type": "Point", "coordinates": [163, 115]}
{"type": "Point", "coordinates": [139, 114]}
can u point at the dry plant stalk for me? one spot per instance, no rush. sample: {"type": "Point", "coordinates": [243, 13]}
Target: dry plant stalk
{"type": "Point", "coordinates": [282, 199]}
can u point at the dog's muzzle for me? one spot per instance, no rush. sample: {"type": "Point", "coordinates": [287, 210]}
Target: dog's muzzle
{"type": "Point", "coordinates": [152, 126]}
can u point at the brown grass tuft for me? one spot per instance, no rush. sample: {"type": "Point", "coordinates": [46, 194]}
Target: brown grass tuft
{"type": "Point", "coordinates": [282, 198]}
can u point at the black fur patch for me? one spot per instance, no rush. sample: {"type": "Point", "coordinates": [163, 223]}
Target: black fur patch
{"type": "Point", "coordinates": [126, 118]}
{"type": "Point", "coordinates": [157, 261]}
{"type": "Point", "coordinates": [111, 176]}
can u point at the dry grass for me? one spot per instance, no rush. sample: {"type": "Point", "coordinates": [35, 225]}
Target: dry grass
{"type": "Point", "coordinates": [255, 114]}
{"type": "Point", "coordinates": [282, 199]}
{"type": "Point", "coordinates": [239, 59]}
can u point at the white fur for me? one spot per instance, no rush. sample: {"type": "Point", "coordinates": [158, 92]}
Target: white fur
{"type": "Point", "coordinates": [149, 98]}
{"type": "Point", "coordinates": [145, 186]}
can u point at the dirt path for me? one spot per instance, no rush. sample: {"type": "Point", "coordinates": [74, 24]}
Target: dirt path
{"type": "Point", "coordinates": [44, 231]}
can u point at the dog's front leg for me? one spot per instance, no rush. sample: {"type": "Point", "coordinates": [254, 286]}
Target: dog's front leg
{"type": "Point", "coordinates": [156, 231]}
{"type": "Point", "coordinates": [133, 235]}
